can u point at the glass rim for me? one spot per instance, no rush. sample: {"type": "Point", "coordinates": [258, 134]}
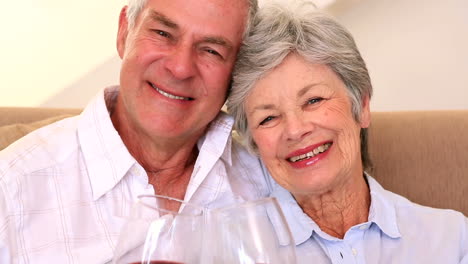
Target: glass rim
{"type": "Point", "coordinates": [246, 204]}
{"type": "Point", "coordinates": [184, 203]}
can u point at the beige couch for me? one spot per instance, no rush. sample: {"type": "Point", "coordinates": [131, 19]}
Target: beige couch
{"type": "Point", "coordinates": [420, 155]}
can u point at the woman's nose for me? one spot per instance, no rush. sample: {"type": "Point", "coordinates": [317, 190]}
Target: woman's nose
{"type": "Point", "coordinates": [297, 128]}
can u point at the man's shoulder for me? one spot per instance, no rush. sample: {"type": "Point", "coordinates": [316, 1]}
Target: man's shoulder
{"type": "Point", "coordinates": [40, 149]}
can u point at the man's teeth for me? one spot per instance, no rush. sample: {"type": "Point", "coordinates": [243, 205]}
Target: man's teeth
{"type": "Point", "coordinates": [311, 154]}
{"type": "Point", "coordinates": [168, 95]}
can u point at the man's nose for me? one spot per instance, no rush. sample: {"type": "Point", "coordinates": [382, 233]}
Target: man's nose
{"type": "Point", "coordinates": [181, 62]}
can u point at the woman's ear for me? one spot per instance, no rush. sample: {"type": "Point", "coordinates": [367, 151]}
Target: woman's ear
{"type": "Point", "coordinates": [122, 32]}
{"type": "Point", "coordinates": [365, 112]}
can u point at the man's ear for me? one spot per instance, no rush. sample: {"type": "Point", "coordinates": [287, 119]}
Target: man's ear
{"type": "Point", "coordinates": [365, 112]}
{"type": "Point", "coordinates": [122, 32]}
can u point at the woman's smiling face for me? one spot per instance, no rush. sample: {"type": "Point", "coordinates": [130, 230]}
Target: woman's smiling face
{"type": "Point", "coordinates": [300, 117]}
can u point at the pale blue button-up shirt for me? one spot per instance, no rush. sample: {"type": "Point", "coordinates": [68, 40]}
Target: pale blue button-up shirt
{"type": "Point", "coordinates": [398, 231]}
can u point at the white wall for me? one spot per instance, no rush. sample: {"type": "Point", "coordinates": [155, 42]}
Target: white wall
{"type": "Point", "coordinates": [416, 51]}
{"type": "Point", "coordinates": [59, 53]}
{"type": "Point", "coordinates": [52, 47]}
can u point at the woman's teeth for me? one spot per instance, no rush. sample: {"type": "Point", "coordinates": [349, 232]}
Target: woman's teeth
{"type": "Point", "coordinates": [311, 154]}
{"type": "Point", "coordinates": [168, 95]}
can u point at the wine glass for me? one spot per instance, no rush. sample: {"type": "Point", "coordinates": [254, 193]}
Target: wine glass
{"type": "Point", "coordinates": [157, 232]}
{"type": "Point", "coordinates": [254, 232]}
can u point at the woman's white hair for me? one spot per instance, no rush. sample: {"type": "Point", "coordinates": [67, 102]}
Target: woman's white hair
{"type": "Point", "coordinates": [285, 27]}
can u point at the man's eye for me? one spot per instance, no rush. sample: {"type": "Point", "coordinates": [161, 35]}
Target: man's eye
{"type": "Point", "coordinates": [162, 33]}
{"type": "Point", "coordinates": [266, 120]}
{"type": "Point", "coordinates": [213, 52]}
{"type": "Point", "coordinates": [314, 100]}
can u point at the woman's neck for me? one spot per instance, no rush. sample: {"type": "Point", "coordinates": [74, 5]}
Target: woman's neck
{"type": "Point", "coordinates": [337, 210]}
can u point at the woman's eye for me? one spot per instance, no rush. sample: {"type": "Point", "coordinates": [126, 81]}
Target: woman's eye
{"type": "Point", "coordinates": [266, 120]}
{"type": "Point", "coordinates": [314, 100]}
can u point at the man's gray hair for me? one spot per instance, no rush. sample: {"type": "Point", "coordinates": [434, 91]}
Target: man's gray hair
{"type": "Point", "coordinates": [281, 28]}
{"type": "Point", "coordinates": [136, 6]}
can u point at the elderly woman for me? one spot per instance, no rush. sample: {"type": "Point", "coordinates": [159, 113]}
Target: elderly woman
{"type": "Point", "coordinates": [300, 97]}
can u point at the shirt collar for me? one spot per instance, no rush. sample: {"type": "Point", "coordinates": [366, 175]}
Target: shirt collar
{"type": "Point", "coordinates": [300, 224]}
{"type": "Point", "coordinates": [217, 140]}
{"type": "Point", "coordinates": [215, 145]}
{"type": "Point", "coordinates": [106, 157]}
{"type": "Point", "coordinates": [108, 160]}
{"type": "Point", "coordinates": [382, 212]}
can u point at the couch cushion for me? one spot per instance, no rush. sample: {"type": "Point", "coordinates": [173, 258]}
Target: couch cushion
{"type": "Point", "coordinates": [11, 133]}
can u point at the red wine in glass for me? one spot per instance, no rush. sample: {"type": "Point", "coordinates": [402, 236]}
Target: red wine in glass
{"type": "Point", "coordinates": [159, 262]}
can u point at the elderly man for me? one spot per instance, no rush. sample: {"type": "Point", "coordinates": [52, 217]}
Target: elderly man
{"type": "Point", "coordinates": [65, 188]}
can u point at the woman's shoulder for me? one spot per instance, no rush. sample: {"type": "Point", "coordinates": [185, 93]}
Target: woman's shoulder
{"type": "Point", "coordinates": [414, 217]}
{"type": "Point", "coordinates": [438, 223]}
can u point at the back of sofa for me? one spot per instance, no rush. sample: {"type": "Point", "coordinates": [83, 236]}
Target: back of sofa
{"type": "Point", "coordinates": [420, 155]}
{"type": "Point", "coordinates": [26, 115]}
{"type": "Point", "coordinates": [16, 122]}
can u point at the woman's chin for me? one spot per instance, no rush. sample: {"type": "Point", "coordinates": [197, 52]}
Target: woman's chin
{"type": "Point", "coordinates": [316, 185]}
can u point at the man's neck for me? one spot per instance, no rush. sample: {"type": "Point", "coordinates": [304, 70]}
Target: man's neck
{"type": "Point", "coordinates": [168, 162]}
{"type": "Point", "coordinates": [173, 181]}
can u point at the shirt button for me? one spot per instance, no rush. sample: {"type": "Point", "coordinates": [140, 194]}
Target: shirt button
{"type": "Point", "coordinates": [363, 227]}
{"type": "Point", "coordinates": [354, 251]}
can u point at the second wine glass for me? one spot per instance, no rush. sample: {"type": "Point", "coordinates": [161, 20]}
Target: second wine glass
{"type": "Point", "coordinates": [254, 232]}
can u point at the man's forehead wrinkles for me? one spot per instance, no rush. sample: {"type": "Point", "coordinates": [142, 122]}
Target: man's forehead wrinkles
{"type": "Point", "coordinates": [159, 17]}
